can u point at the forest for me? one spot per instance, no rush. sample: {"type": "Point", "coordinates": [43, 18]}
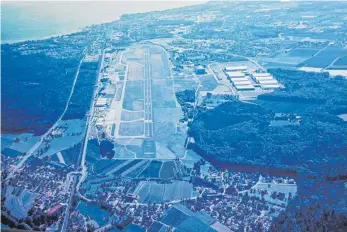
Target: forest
{"type": "Point", "coordinates": [239, 132]}
{"type": "Point", "coordinates": [238, 136]}
{"type": "Point", "coordinates": [34, 90]}
{"type": "Point", "coordinates": [83, 92]}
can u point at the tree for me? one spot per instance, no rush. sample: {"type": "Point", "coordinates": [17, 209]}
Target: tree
{"type": "Point", "coordinates": [106, 149]}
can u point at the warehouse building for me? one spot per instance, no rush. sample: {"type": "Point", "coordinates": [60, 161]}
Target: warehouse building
{"type": "Point", "coordinates": [241, 68]}
{"type": "Point", "coordinates": [270, 86]}
{"type": "Point", "coordinates": [244, 87]}
{"type": "Point", "coordinates": [239, 79]}
{"type": "Point", "coordinates": [261, 77]}
{"type": "Point", "coordinates": [235, 74]}
{"type": "Point", "coordinates": [246, 82]}
{"type": "Point", "coordinates": [268, 82]}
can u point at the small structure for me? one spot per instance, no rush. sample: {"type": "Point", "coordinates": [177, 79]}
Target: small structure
{"type": "Point", "coordinates": [58, 209]}
{"type": "Point", "coordinates": [101, 102]}
{"type": "Point", "coordinates": [199, 70]}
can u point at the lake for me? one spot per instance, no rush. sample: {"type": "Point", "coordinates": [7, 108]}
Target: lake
{"type": "Point", "coordinates": [22, 21]}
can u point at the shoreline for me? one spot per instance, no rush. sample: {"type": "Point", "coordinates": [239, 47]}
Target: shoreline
{"type": "Point", "coordinates": [41, 38]}
{"type": "Point", "coordinates": [10, 42]}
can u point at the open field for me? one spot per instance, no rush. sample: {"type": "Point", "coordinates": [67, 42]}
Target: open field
{"type": "Point", "coordinates": [185, 84]}
{"type": "Point", "coordinates": [68, 134]}
{"type": "Point", "coordinates": [208, 82]}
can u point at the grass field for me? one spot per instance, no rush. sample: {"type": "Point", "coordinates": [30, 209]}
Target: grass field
{"type": "Point", "coordinates": [131, 128]}
{"type": "Point", "coordinates": [133, 91]}
{"type": "Point", "coordinates": [185, 84]}
{"type": "Point", "coordinates": [131, 116]}
{"type": "Point", "coordinates": [135, 71]}
{"type": "Point", "coordinates": [208, 83]}
{"type": "Point", "coordinates": [133, 105]}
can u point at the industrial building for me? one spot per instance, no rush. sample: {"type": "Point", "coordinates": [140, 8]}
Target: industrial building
{"type": "Point", "coordinates": [265, 80]}
{"type": "Point", "coordinates": [246, 82]}
{"type": "Point", "coordinates": [108, 92]}
{"type": "Point", "coordinates": [241, 68]}
{"type": "Point", "coordinates": [244, 87]}
{"type": "Point", "coordinates": [235, 74]}
{"type": "Point", "coordinates": [268, 82]}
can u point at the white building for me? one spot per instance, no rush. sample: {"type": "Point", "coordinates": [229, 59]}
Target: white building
{"type": "Point", "coordinates": [244, 87]}
{"type": "Point", "coordinates": [241, 68]}
{"type": "Point", "coordinates": [239, 79]}
{"type": "Point", "coordinates": [246, 82]}
{"type": "Point", "coordinates": [261, 76]}
{"type": "Point", "coordinates": [268, 82]}
{"type": "Point", "coordinates": [235, 74]}
{"type": "Point", "coordinates": [270, 86]}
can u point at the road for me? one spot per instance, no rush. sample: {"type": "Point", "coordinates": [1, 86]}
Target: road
{"type": "Point", "coordinates": [75, 187]}
{"type": "Point", "coordinates": [44, 136]}
{"type": "Point", "coordinates": [148, 97]}
{"type": "Point", "coordinates": [68, 207]}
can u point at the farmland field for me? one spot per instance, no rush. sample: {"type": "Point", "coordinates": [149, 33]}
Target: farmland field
{"type": "Point", "coordinates": [324, 58]}
{"type": "Point", "coordinates": [152, 170]}
{"type": "Point", "coordinates": [105, 165]}
{"type": "Point", "coordinates": [168, 170]}
{"type": "Point", "coordinates": [19, 201]}
{"type": "Point", "coordinates": [137, 170]}
{"type": "Point", "coordinates": [96, 212]}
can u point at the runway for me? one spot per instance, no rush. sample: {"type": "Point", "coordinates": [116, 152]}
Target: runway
{"type": "Point", "coordinates": [148, 97]}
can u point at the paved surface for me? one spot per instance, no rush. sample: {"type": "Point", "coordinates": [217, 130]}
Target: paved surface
{"type": "Point", "coordinates": [148, 97]}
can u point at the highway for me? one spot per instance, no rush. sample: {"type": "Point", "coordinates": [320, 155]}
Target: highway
{"type": "Point", "coordinates": [44, 136]}
{"type": "Point", "coordinates": [148, 97]}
